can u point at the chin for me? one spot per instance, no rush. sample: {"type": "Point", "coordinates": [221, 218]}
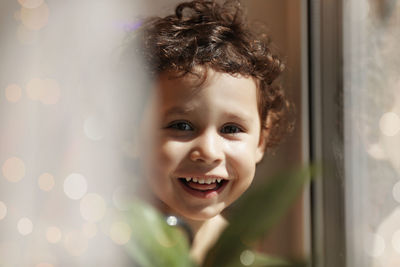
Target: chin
{"type": "Point", "coordinates": [201, 215]}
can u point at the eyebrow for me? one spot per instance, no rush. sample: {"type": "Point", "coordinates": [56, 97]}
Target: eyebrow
{"type": "Point", "coordinates": [188, 110]}
{"type": "Point", "coordinates": [178, 111]}
{"type": "Point", "coordinates": [241, 117]}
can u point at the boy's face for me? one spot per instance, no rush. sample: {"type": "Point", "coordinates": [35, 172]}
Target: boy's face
{"type": "Point", "coordinates": [202, 143]}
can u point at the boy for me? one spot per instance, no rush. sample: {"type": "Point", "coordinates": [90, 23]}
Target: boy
{"type": "Point", "coordinates": [213, 112]}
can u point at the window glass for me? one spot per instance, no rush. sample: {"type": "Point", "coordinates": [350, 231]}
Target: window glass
{"type": "Point", "coordinates": [371, 36]}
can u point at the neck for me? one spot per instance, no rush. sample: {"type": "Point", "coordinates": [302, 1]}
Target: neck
{"type": "Point", "coordinates": [195, 225]}
{"type": "Point", "coordinates": [205, 232]}
{"type": "Point", "coordinates": [205, 235]}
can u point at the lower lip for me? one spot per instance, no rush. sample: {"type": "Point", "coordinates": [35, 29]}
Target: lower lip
{"type": "Point", "coordinates": [207, 194]}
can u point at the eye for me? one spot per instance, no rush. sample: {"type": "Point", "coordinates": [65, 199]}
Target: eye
{"type": "Point", "coordinates": [231, 129]}
{"type": "Point", "coordinates": [180, 126]}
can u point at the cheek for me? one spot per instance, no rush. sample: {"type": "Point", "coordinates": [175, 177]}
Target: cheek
{"type": "Point", "coordinates": [241, 162]}
{"type": "Point", "coordinates": [241, 153]}
{"type": "Point", "coordinates": [170, 154]}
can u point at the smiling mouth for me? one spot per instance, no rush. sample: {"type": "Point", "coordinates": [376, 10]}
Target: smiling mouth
{"type": "Point", "coordinates": [203, 187]}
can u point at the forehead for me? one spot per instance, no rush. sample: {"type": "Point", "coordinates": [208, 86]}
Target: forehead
{"type": "Point", "coordinates": [191, 84]}
{"type": "Point", "coordinates": [214, 92]}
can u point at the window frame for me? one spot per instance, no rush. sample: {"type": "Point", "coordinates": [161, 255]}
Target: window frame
{"type": "Point", "coordinates": [325, 76]}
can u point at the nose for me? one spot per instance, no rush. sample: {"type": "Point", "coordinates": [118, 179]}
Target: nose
{"type": "Point", "coordinates": [207, 148]}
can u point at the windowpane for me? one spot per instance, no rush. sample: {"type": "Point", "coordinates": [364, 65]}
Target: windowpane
{"type": "Point", "coordinates": [371, 36]}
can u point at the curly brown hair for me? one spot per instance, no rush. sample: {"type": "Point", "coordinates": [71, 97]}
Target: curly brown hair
{"type": "Point", "coordinates": [217, 36]}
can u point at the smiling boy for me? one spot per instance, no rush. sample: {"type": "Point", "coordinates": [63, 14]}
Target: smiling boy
{"type": "Point", "coordinates": [213, 112]}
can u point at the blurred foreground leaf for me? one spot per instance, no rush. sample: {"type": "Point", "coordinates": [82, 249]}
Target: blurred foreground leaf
{"type": "Point", "coordinates": [154, 242]}
{"type": "Point", "coordinates": [253, 216]}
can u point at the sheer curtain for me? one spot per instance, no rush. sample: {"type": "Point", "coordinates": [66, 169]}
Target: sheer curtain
{"type": "Point", "coordinates": [67, 151]}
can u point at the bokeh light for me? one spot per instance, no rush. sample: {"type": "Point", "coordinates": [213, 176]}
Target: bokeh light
{"type": "Point", "coordinates": [120, 233]}
{"type": "Point", "coordinates": [89, 230]}
{"type": "Point", "coordinates": [25, 226]}
{"type": "Point", "coordinates": [3, 210]}
{"type": "Point", "coordinates": [46, 181]}
{"type": "Point", "coordinates": [374, 245]}
{"type": "Point", "coordinates": [13, 93]}
{"type": "Point", "coordinates": [13, 169]}
{"type": "Point", "coordinates": [75, 186]}
{"type": "Point", "coordinates": [46, 91]}
{"type": "Point", "coordinates": [93, 128]}
{"type": "Point", "coordinates": [35, 18]}
{"type": "Point", "coordinates": [53, 234]}
{"type": "Point", "coordinates": [172, 220]}
{"type": "Point", "coordinates": [75, 243]}
{"type": "Point", "coordinates": [396, 191]}
{"type": "Point", "coordinates": [389, 124]}
{"type": "Point", "coordinates": [396, 241]}
{"type": "Point", "coordinates": [376, 151]}
{"type": "Point", "coordinates": [93, 207]}
{"type": "Point", "coordinates": [31, 3]}
{"type": "Point", "coordinates": [247, 257]}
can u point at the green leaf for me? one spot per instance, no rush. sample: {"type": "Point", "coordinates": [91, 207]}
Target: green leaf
{"type": "Point", "coordinates": [154, 242]}
{"type": "Point", "coordinates": [255, 214]}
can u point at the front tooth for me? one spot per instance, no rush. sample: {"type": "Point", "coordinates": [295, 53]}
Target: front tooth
{"type": "Point", "coordinates": [188, 179]}
{"type": "Point", "coordinates": [194, 180]}
{"type": "Point", "coordinates": [208, 181]}
{"type": "Point", "coordinates": [219, 180]}
{"type": "Point", "coordinates": [213, 180]}
{"type": "Point", "coordinates": [201, 181]}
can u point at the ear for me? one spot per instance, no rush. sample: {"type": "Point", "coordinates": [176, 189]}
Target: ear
{"type": "Point", "coordinates": [261, 147]}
